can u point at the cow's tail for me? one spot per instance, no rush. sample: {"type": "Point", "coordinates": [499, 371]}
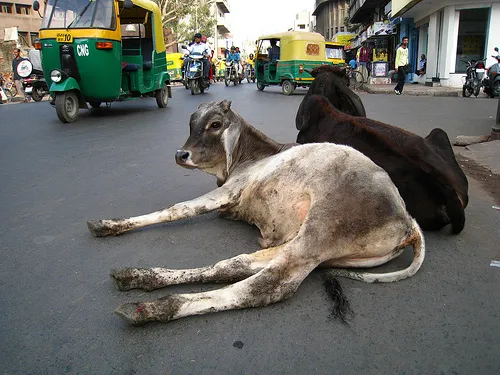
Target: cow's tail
{"type": "Point", "coordinates": [416, 239]}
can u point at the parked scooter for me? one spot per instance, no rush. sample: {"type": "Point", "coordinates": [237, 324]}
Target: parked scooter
{"type": "Point", "coordinates": [473, 78]}
{"type": "Point", "coordinates": [491, 83]}
{"type": "Point", "coordinates": [231, 73]}
{"type": "Point", "coordinates": [34, 83]}
{"type": "Point", "coordinates": [193, 76]}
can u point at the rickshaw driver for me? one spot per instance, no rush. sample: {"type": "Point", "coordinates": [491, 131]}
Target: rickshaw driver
{"type": "Point", "coordinates": [199, 47]}
{"type": "Point", "coordinates": [273, 54]}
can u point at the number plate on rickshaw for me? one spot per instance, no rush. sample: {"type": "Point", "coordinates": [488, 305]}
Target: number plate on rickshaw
{"type": "Point", "coordinates": [64, 38]}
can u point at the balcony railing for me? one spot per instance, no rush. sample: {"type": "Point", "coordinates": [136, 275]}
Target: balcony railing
{"type": "Point", "coordinates": [222, 5]}
{"type": "Point", "coordinates": [318, 4]}
{"type": "Point", "coordinates": [222, 26]}
{"type": "Point", "coordinates": [358, 7]}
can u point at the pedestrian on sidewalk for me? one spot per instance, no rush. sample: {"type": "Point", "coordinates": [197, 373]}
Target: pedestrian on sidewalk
{"type": "Point", "coordinates": [401, 65]}
{"type": "Point", "coordinates": [17, 78]}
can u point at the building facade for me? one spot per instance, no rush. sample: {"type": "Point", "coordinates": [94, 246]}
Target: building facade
{"type": "Point", "coordinates": [20, 14]}
{"type": "Point", "coordinates": [220, 8]}
{"type": "Point", "coordinates": [303, 21]}
{"type": "Point", "coordinates": [450, 32]}
{"type": "Point", "coordinates": [331, 16]}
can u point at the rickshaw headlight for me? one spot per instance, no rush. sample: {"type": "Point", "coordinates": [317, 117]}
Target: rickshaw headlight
{"type": "Point", "coordinates": [56, 76]}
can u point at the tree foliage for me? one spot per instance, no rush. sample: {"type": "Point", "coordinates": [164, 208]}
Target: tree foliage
{"type": "Point", "coordinates": [186, 17]}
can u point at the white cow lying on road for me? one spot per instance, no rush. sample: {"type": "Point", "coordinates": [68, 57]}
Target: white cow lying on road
{"type": "Point", "coordinates": [315, 205]}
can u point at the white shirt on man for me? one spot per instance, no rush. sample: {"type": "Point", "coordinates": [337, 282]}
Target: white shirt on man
{"type": "Point", "coordinates": [202, 48]}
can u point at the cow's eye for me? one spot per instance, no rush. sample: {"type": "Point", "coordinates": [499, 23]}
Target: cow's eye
{"type": "Point", "coordinates": [215, 125]}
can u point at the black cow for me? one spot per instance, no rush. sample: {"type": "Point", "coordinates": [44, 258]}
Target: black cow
{"type": "Point", "coordinates": [424, 170]}
{"type": "Point", "coordinates": [332, 83]}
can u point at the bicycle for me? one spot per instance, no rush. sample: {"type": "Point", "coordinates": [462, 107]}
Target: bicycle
{"type": "Point", "coordinates": [356, 79]}
{"type": "Point", "coordinates": [6, 88]}
{"type": "Point", "coordinates": [9, 86]}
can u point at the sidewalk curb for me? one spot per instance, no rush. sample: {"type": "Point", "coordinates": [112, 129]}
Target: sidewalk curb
{"type": "Point", "coordinates": [448, 93]}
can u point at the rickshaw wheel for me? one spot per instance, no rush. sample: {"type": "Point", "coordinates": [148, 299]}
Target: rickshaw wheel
{"type": "Point", "coordinates": [95, 104]}
{"type": "Point", "coordinates": [162, 96]}
{"type": "Point", "coordinates": [287, 87]}
{"type": "Point", "coordinates": [67, 106]}
{"type": "Point", "coordinates": [260, 86]}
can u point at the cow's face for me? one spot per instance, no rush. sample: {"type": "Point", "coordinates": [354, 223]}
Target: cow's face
{"type": "Point", "coordinates": [213, 134]}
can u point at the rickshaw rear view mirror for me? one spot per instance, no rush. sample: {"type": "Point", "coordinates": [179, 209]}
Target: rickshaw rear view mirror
{"type": "Point", "coordinates": [496, 49]}
{"type": "Point", "coordinates": [36, 6]}
{"type": "Point", "coordinates": [128, 4]}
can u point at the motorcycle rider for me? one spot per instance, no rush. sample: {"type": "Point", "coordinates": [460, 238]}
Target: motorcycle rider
{"type": "Point", "coordinates": [250, 60]}
{"type": "Point", "coordinates": [250, 63]}
{"type": "Point", "coordinates": [199, 47]}
{"type": "Point", "coordinates": [235, 58]}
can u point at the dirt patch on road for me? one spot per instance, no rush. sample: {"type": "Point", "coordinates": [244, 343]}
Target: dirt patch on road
{"type": "Point", "coordinates": [489, 181]}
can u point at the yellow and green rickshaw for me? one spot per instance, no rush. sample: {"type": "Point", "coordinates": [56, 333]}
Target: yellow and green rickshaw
{"type": "Point", "coordinates": [96, 51]}
{"type": "Point", "coordinates": [174, 66]}
{"type": "Point", "coordinates": [335, 53]}
{"type": "Point", "coordinates": [297, 51]}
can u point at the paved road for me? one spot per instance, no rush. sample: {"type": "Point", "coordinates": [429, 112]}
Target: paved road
{"type": "Point", "coordinates": [57, 300]}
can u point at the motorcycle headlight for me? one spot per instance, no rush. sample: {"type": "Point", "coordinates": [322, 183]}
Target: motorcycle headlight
{"type": "Point", "coordinates": [56, 76]}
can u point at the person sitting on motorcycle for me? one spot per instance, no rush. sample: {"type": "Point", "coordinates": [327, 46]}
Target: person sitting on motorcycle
{"type": "Point", "coordinates": [250, 60]}
{"type": "Point", "coordinates": [199, 47]}
{"type": "Point", "coordinates": [235, 58]}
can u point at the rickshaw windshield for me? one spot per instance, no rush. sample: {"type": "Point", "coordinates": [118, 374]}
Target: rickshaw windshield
{"type": "Point", "coordinates": [70, 14]}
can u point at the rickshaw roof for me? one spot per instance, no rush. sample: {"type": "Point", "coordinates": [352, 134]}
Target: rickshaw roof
{"type": "Point", "coordinates": [147, 4]}
{"type": "Point", "coordinates": [336, 44]}
{"type": "Point", "coordinates": [296, 36]}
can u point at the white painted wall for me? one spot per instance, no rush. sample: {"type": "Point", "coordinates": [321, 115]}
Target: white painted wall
{"type": "Point", "coordinates": [432, 49]}
{"type": "Point", "coordinates": [493, 34]}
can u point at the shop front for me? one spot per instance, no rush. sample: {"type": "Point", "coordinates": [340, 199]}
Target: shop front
{"type": "Point", "coordinates": [451, 36]}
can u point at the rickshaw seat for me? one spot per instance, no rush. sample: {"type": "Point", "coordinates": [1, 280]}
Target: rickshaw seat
{"type": "Point", "coordinates": [131, 67]}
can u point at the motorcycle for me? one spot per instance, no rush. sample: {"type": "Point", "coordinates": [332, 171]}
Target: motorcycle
{"type": "Point", "coordinates": [250, 73]}
{"type": "Point", "coordinates": [231, 74]}
{"type": "Point", "coordinates": [193, 75]}
{"type": "Point", "coordinates": [36, 86]}
{"type": "Point", "coordinates": [491, 83]}
{"type": "Point", "coordinates": [474, 76]}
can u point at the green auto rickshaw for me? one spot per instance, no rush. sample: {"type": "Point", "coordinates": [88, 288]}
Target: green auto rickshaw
{"type": "Point", "coordinates": [282, 59]}
{"type": "Point", "coordinates": [335, 53]}
{"type": "Point", "coordinates": [96, 51]}
{"type": "Point", "coordinates": [174, 66]}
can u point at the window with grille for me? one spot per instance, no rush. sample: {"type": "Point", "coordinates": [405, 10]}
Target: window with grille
{"type": "Point", "coordinates": [23, 9]}
{"type": "Point", "coordinates": [5, 8]}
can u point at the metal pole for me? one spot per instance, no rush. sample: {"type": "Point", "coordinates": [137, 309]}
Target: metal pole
{"type": "Point", "coordinates": [495, 129]}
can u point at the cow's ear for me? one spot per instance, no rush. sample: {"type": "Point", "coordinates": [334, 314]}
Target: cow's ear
{"type": "Point", "coordinates": [225, 105]}
{"type": "Point", "coordinates": [230, 139]}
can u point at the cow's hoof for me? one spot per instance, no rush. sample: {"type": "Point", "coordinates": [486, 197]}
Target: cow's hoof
{"type": "Point", "coordinates": [132, 313]}
{"type": "Point", "coordinates": [99, 229]}
{"type": "Point", "coordinates": [125, 278]}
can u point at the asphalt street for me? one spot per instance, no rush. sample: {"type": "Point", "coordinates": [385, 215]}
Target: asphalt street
{"type": "Point", "coordinates": [57, 299]}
